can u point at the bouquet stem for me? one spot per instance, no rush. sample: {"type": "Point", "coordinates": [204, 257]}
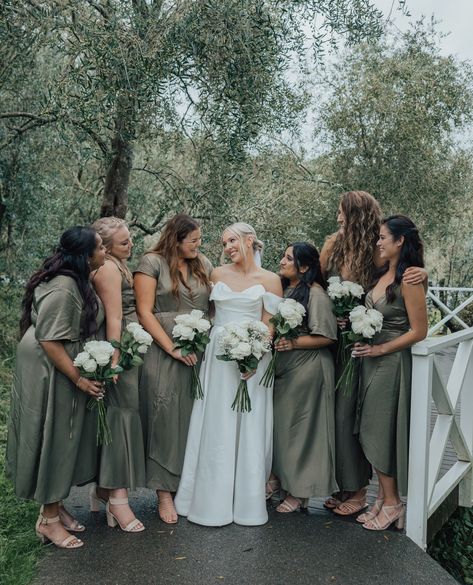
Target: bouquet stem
{"type": "Point", "coordinates": [104, 435]}
{"type": "Point", "coordinates": [268, 377]}
{"type": "Point", "coordinates": [196, 387]}
{"type": "Point", "coordinates": [242, 402]}
{"type": "Point", "coordinates": [345, 382]}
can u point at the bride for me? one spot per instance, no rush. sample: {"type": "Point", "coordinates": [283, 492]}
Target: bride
{"type": "Point", "coordinates": [228, 453]}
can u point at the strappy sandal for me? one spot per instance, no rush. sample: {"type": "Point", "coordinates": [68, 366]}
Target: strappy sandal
{"type": "Point", "coordinates": [69, 542]}
{"type": "Point", "coordinates": [351, 506]}
{"type": "Point", "coordinates": [375, 510]}
{"type": "Point", "coordinates": [385, 518]}
{"type": "Point", "coordinates": [332, 503]}
{"type": "Point", "coordinates": [95, 500]}
{"type": "Point", "coordinates": [133, 526]}
{"type": "Point", "coordinates": [68, 520]}
{"type": "Point", "coordinates": [286, 507]}
{"type": "Point", "coordinates": [273, 487]}
{"type": "Point", "coordinates": [166, 507]}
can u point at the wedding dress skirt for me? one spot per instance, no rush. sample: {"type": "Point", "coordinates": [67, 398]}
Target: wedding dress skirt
{"type": "Point", "coordinates": [228, 453]}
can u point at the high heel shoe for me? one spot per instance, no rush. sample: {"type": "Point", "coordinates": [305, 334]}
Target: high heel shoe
{"type": "Point", "coordinates": [286, 507]}
{"type": "Point", "coordinates": [67, 520]}
{"type": "Point", "coordinates": [95, 500]}
{"type": "Point", "coordinates": [133, 526]}
{"type": "Point", "coordinates": [375, 510]}
{"type": "Point", "coordinates": [68, 542]}
{"type": "Point", "coordinates": [273, 487]}
{"type": "Point", "coordinates": [385, 518]}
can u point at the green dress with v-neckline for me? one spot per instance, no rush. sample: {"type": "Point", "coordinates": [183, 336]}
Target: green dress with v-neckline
{"type": "Point", "coordinates": [384, 396]}
{"type": "Point", "coordinates": [165, 383]}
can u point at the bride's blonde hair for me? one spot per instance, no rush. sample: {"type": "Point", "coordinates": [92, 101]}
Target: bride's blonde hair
{"type": "Point", "coordinates": [106, 227]}
{"type": "Point", "coordinates": [241, 230]}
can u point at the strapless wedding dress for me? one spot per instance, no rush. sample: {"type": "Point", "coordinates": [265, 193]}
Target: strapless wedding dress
{"type": "Point", "coordinates": [228, 454]}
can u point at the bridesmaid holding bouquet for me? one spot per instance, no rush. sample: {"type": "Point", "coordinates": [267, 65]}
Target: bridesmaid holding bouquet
{"type": "Point", "coordinates": [121, 463]}
{"type": "Point", "coordinates": [385, 380]}
{"type": "Point", "coordinates": [52, 436]}
{"type": "Point", "coordinates": [172, 279]}
{"type": "Point", "coordinates": [304, 387]}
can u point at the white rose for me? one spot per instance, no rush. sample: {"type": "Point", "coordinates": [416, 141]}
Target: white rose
{"type": "Point", "coordinates": [99, 348]}
{"type": "Point", "coordinates": [81, 358]}
{"type": "Point", "coordinates": [89, 366]}
{"type": "Point", "coordinates": [368, 332]}
{"type": "Point", "coordinates": [187, 333]}
{"type": "Point", "coordinates": [333, 279]}
{"type": "Point", "coordinates": [242, 350]}
{"type": "Point", "coordinates": [375, 318]}
{"type": "Point", "coordinates": [355, 289]}
{"type": "Point", "coordinates": [132, 327]}
{"type": "Point", "coordinates": [196, 315]}
{"type": "Point", "coordinates": [142, 337]}
{"type": "Point", "coordinates": [102, 358]}
{"type": "Point", "coordinates": [258, 348]}
{"type": "Point", "coordinates": [358, 313]}
{"type": "Point", "coordinates": [203, 325]}
{"type": "Point", "coordinates": [142, 348]}
{"type": "Point", "coordinates": [336, 290]}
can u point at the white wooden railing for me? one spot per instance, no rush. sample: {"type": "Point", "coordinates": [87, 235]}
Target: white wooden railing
{"type": "Point", "coordinates": [427, 487]}
{"type": "Point", "coordinates": [436, 292]}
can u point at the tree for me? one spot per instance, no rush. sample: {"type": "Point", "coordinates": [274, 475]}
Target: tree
{"type": "Point", "coordinates": [210, 69]}
{"type": "Point", "coordinates": [392, 122]}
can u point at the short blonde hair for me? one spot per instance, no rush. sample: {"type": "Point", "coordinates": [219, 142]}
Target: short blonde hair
{"type": "Point", "coordinates": [242, 230]}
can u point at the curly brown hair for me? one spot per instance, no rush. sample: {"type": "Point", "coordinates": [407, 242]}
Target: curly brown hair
{"type": "Point", "coordinates": [175, 231]}
{"type": "Point", "coordinates": [353, 249]}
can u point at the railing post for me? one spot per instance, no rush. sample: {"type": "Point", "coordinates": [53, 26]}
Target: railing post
{"type": "Point", "coordinates": [418, 496]}
{"type": "Point", "coordinates": [466, 424]}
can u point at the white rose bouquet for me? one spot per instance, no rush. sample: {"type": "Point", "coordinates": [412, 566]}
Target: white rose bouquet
{"type": "Point", "coordinates": [95, 362]}
{"type": "Point", "coordinates": [190, 336]}
{"type": "Point", "coordinates": [245, 344]}
{"type": "Point", "coordinates": [345, 296]}
{"type": "Point", "coordinates": [286, 323]}
{"type": "Point", "coordinates": [365, 323]}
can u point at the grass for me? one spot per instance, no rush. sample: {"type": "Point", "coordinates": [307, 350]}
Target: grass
{"type": "Point", "coordinates": [19, 547]}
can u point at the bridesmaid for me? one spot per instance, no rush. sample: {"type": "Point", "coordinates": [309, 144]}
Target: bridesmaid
{"type": "Point", "coordinates": [385, 381]}
{"type": "Point", "coordinates": [351, 254]}
{"type": "Point", "coordinates": [52, 436]}
{"type": "Point", "coordinates": [173, 278]}
{"type": "Point", "coordinates": [304, 387]}
{"type": "Point", "coordinates": [122, 463]}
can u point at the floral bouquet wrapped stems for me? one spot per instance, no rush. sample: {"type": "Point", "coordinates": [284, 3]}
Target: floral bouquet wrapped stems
{"type": "Point", "coordinates": [345, 296]}
{"type": "Point", "coordinates": [190, 336]}
{"type": "Point", "coordinates": [94, 362]}
{"type": "Point", "coordinates": [286, 323]}
{"type": "Point", "coordinates": [365, 323]}
{"type": "Point", "coordinates": [245, 344]}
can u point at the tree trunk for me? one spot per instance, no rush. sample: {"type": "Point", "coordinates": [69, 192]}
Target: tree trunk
{"type": "Point", "coordinates": [115, 194]}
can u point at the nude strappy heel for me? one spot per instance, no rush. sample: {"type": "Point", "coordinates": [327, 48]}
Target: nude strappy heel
{"type": "Point", "coordinates": [69, 542]}
{"type": "Point", "coordinates": [134, 526]}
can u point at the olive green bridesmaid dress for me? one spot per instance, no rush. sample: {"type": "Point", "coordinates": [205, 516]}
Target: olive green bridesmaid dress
{"type": "Point", "coordinates": [385, 396]}
{"type": "Point", "coordinates": [165, 383]}
{"type": "Point", "coordinates": [122, 463]}
{"type": "Point", "coordinates": [52, 436]}
{"type": "Point", "coordinates": [304, 403]}
{"type": "Point", "coordinates": [353, 471]}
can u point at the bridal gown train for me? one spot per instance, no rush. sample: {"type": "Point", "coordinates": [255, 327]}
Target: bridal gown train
{"type": "Point", "coordinates": [228, 453]}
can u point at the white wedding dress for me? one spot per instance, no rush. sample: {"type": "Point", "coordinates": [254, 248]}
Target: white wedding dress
{"type": "Point", "coordinates": [228, 453]}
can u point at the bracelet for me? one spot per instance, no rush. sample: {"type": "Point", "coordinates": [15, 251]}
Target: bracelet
{"type": "Point", "coordinates": [78, 380]}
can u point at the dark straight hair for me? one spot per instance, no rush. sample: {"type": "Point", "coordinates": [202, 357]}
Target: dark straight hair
{"type": "Point", "coordinates": [305, 255]}
{"type": "Point", "coordinates": [411, 252]}
{"type": "Point", "coordinates": [71, 258]}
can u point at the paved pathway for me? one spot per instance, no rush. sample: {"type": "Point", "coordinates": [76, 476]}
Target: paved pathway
{"type": "Point", "coordinates": [302, 549]}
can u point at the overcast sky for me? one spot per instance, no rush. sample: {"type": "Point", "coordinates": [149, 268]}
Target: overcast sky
{"type": "Point", "coordinates": [456, 18]}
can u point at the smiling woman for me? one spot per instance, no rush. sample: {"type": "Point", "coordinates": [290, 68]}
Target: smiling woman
{"type": "Point", "coordinates": [170, 280]}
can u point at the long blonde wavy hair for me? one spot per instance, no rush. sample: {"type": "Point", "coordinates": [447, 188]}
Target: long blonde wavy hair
{"type": "Point", "coordinates": [354, 248]}
{"type": "Point", "coordinates": [106, 228]}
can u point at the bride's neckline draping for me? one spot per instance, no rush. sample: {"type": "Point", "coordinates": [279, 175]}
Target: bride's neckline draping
{"type": "Point", "coordinates": [238, 291]}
